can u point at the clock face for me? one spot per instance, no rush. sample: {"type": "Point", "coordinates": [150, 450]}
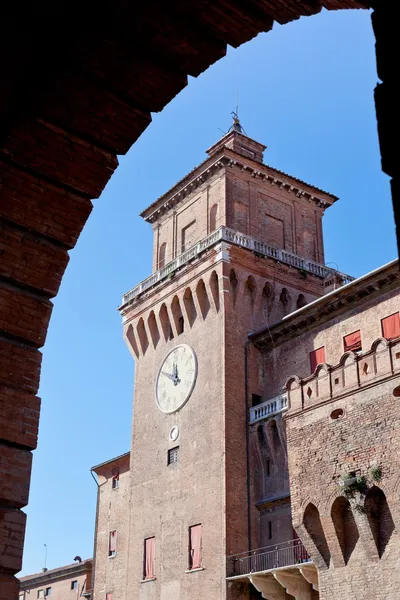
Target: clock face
{"type": "Point", "coordinates": [176, 378]}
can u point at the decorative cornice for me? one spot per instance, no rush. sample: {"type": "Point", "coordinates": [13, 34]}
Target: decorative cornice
{"type": "Point", "coordinates": [229, 158]}
{"type": "Point", "coordinates": [330, 305]}
{"type": "Point", "coordinates": [30, 581]}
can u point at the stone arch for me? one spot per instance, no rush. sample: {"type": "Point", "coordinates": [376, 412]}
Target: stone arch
{"type": "Point", "coordinates": [177, 315]}
{"type": "Point", "coordinates": [190, 307]}
{"type": "Point", "coordinates": [43, 191]}
{"type": "Point", "coordinates": [251, 289]}
{"type": "Point", "coordinates": [301, 301]}
{"type": "Point", "coordinates": [162, 254]}
{"type": "Point", "coordinates": [202, 298]}
{"type": "Point", "coordinates": [345, 526]}
{"type": "Point", "coordinates": [153, 328]}
{"type": "Point", "coordinates": [142, 335]}
{"type": "Point", "coordinates": [234, 283]}
{"type": "Point", "coordinates": [132, 343]}
{"type": "Point", "coordinates": [165, 323]}
{"type": "Point", "coordinates": [379, 518]}
{"type": "Point", "coordinates": [313, 526]}
{"type": "Point", "coordinates": [347, 359]}
{"type": "Point", "coordinates": [284, 301]}
{"type": "Point", "coordinates": [379, 345]}
{"type": "Point", "coordinates": [213, 217]}
{"type": "Point", "coordinates": [214, 287]}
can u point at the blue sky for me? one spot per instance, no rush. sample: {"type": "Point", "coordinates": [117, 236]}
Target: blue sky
{"type": "Point", "coordinates": [306, 91]}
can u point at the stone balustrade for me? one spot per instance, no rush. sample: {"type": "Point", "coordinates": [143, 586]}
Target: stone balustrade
{"type": "Point", "coordinates": [239, 239]}
{"type": "Point", "coordinates": [268, 408]}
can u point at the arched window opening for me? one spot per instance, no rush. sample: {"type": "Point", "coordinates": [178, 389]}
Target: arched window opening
{"type": "Point", "coordinates": [233, 280]}
{"type": "Point", "coordinates": [251, 289]}
{"type": "Point", "coordinates": [313, 526]}
{"type": "Point", "coordinates": [273, 428]}
{"type": "Point", "coordinates": [301, 301]}
{"type": "Point", "coordinates": [143, 339]}
{"type": "Point", "coordinates": [213, 217]}
{"type": "Point", "coordinates": [162, 253]}
{"type": "Point", "coordinates": [284, 299]}
{"type": "Point", "coordinates": [190, 306]}
{"type": "Point", "coordinates": [345, 526]}
{"type": "Point", "coordinates": [153, 328]}
{"type": "Point", "coordinates": [177, 315]}
{"type": "Point", "coordinates": [165, 323]}
{"type": "Point", "coordinates": [130, 336]}
{"type": "Point", "coordinates": [202, 298]}
{"type": "Point", "coordinates": [214, 286]}
{"type": "Point", "coordinates": [379, 518]}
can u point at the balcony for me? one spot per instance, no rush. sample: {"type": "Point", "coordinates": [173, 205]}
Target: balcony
{"type": "Point", "coordinates": [225, 234]}
{"type": "Point", "coordinates": [275, 571]}
{"type": "Point", "coordinates": [266, 559]}
{"type": "Point", "coordinates": [268, 408]}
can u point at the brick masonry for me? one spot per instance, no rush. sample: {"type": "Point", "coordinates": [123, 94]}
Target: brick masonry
{"type": "Point", "coordinates": [96, 80]}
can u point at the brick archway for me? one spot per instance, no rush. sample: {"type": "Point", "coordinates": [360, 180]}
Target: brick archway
{"type": "Point", "coordinates": [71, 102]}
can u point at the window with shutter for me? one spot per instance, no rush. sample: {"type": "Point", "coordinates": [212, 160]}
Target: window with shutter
{"type": "Point", "coordinates": [112, 544]}
{"type": "Point", "coordinates": [352, 342]}
{"type": "Point", "coordinates": [195, 535]}
{"type": "Point", "coordinates": [391, 326]}
{"type": "Point", "coordinates": [316, 358]}
{"type": "Point", "coordinates": [149, 558]}
{"type": "Point", "coordinates": [115, 479]}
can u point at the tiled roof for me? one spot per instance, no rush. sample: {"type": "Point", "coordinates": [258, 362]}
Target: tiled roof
{"type": "Point", "coordinates": [51, 572]}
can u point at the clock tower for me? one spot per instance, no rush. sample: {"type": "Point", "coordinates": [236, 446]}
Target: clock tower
{"type": "Point", "coordinates": [237, 245]}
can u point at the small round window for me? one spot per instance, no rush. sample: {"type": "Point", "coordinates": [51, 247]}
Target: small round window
{"type": "Point", "coordinates": [337, 414]}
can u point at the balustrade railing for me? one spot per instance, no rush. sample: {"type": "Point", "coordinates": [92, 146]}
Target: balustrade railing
{"type": "Point", "coordinates": [268, 408]}
{"type": "Point", "coordinates": [285, 554]}
{"type": "Point", "coordinates": [233, 237]}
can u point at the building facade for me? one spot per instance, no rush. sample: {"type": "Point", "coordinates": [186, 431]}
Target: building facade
{"type": "Point", "coordinates": [222, 333]}
{"type": "Point", "coordinates": [71, 582]}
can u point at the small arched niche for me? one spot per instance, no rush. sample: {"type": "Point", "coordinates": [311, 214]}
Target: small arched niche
{"type": "Point", "coordinates": [202, 298]}
{"type": "Point", "coordinates": [379, 518]}
{"type": "Point", "coordinates": [301, 301]}
{"type": "Point", "coordinates": [162, 253]}
{"type": "Point", "coordinates": [165, 323]}
{"type": "Point", "coordinates": [251, 289]}
{"type": "Point", "coordinates": [177, 315]}
{"type": "Point", "coordinates": [345, 526]}
{"type": "Point", "coordinates": [313, 526]}
{"type": "Point", "coordinates": [213, 217]}
{"type": "Point", "coordinates": [190, 306]}
{"type": "Point", "coordinates": [214, 287]}
{"type": "Point", "coordinates": [153, 328]}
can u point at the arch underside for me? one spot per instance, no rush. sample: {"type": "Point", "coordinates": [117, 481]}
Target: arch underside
{"type": "Point", "coordinates": [69, 106]}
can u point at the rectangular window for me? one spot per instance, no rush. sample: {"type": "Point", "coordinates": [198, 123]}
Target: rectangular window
{"type": "Point", "coordinates": [21, 596]}
{"type": "Point", "coordinates": [352, 342]}
{"type": "Point", "coordinates": [74, 584]}
{"type": "Point", "coordinates": [48, 591]}
{"type": "Point", "coordinates": [270, 530]}
{"type": "Point", "coordinates": [115, 479]}
{"type": "Point", "coordinates": [316, 358]}
{"type": "Point", "coordinates": [40, 594]}
{"type": "Point", "coordinates": [268, 467]}
{"type": "Point", "coordinates": [195, 533]}
{"type": "Point", "coordinates": [112, 543]}
{"type": "Point", "coordinates": [149, 558]}
{"type": "Point", "coordinates": [109, 596]}
{"type": "Point", "coordinates": [391, 326]}
{"type": "Point", "coordinates": [173, 455]}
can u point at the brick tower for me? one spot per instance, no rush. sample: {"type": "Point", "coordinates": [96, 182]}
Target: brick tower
{"type": "Point", "coordinates": [237, 245]}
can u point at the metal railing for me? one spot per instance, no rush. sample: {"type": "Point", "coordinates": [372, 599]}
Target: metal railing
{"type": "Point", "coordinates": [239, 239]}
{"type": "Point", "coordinates": [268, 408]}
{"type": "Point", "coordinates": [285, 554]}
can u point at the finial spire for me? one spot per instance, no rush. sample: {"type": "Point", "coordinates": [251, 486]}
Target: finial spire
{"type": "Point", "coordinates": [236, 126]}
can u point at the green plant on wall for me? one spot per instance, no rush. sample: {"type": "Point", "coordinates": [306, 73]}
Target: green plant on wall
{"type": "Point", "coordinates": [376, 473]}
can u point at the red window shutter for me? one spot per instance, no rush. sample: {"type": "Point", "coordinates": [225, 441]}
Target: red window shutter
{"type": "Point", "coordinates": [391, 326]}
{"type": "Point", "coordinates": [113, 541]}
{"type": "Point", "coordinates": [352, 342]}
{"type": "Point", "coordinates": [195, 547]}
{"type": "Point", "coordinates": [149, 557]}
{"type": "Point", "coordinates": [109, 596]}
{"type": "Point", "coordinates": [316, 358]}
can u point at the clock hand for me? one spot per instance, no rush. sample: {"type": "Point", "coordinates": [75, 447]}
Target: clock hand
{"type": "Point", "coordinates": [172, 377]}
